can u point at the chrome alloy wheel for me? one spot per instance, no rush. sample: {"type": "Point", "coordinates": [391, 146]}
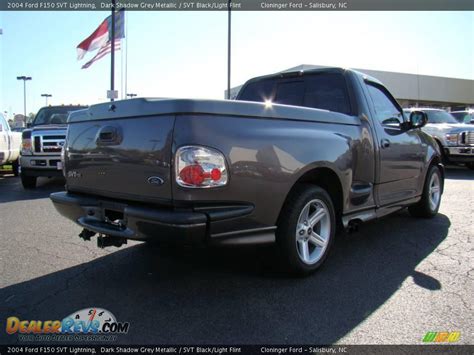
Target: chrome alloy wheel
{"type": "Point", "coordinates": [435, 191]}
{"type": "Point", "coordinates": [313, 231]}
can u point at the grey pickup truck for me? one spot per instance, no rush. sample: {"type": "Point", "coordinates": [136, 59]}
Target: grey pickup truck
{"type": "Point", "coordinates": [294, 157]}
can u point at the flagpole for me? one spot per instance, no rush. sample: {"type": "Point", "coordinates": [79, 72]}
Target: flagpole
{"type": "Point", "coordinates": [121, 69]}
{"type": "Point", "coordinates": [126, 52]}
{"type": "Point", "coordinates": [112, 54]}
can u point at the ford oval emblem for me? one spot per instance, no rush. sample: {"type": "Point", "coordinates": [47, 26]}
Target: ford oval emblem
{"type": "Point", "coordinates": [155, 180]}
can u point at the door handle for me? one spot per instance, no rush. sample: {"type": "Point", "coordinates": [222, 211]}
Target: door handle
{"type": "Point", "coordinates": [385, 143]}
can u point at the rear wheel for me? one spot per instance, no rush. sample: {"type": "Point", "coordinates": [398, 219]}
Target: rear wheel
{"type": "Point", "coordinates": [430, 201]}
{"type": "Point", "coordinates": [306, 229]}
{"type": "Point", "coordinates": [28, 182]}
{"type": "Point", "coordinates": [16, 167]}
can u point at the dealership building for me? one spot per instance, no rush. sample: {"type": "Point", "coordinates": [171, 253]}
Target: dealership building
{"type": "Point", "coordinates": [413, 90]}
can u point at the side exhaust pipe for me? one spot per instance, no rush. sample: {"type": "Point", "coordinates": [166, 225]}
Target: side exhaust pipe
{"type": "Point", "coordinates": [353, 226]}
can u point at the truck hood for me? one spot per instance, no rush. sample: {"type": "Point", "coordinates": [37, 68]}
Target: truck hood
{"type": "Point", "coordinates": [49, 128]}
{"type": "Point", "coordinates": [450, 127]}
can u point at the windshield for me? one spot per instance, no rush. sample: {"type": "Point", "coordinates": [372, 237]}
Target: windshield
{"type": "Point", "coordinates": [440, 117]}
{"type": "Point", "coordinates": [463, 117]}
{"type": "Point", "coordinates": [54, 115]}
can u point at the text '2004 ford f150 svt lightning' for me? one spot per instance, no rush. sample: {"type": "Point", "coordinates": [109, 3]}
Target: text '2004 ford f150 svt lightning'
{"type": "Point", "coordinates": [296, 155]}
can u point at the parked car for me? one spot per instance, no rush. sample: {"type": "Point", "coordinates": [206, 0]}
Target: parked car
{"type": "Point", "coordinates": [10, 143]}
{"type": "Point", "coordinates": [456, 140]}
{"type": "Point", "coordinates": [314, 150]}
{"type": "Point", "coordinates": [42, 143]}
{"type": "Point", "coordinates": [464, 116]}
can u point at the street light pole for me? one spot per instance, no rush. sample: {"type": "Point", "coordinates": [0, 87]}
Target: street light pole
{"type": "Point", "coordinates": [46, 96]}
{"type": "Point", "coordinates": [131, 95]}
{"type": "Point", "coordinates": [24, 78]}
{"type": "Point", "coordinates": [229, 46]}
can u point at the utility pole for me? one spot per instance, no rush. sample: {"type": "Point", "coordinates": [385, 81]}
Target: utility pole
{"type": "Point", "coordinates": [46, 96]}
{"type": "Point", "coordinates": [229, 18]}
{"type": "Point", "coordinates": [25, 79]}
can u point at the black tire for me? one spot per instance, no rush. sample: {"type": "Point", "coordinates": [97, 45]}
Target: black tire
{"type": "Point", "coordinates": [470, 166]}
{"type": "Point", "coordinates": [424, 207]}
{"type": "Point", "coordinates": [287, 234]}
{"type": "Point", "coordinates": [16, 167]}
{"type": "Point", "coordinates": [28, 182]}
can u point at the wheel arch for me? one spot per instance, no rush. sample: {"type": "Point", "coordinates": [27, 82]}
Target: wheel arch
{"type": "Point", "coordinates": [436, 161]}
{"type": "Point", "coordinates": [325, 178]}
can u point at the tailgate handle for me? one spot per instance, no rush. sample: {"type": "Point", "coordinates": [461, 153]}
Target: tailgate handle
{"type": "Point", "coordinates": [109, 135]}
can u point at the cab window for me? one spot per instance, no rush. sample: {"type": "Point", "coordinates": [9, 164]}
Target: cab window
{"type": "Point", "coordinates": [387, 110]}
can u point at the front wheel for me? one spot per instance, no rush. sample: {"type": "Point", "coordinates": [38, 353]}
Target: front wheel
{"type": "Point", "coordinates": [28, 182]}
{"type": "Point", "coordinates": [430, 201]}
{"type": "Point", "coordinates": [306, 229]}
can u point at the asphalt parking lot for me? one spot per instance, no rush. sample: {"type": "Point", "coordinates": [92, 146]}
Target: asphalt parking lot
{"type": "Point", "coordinates": [390, 283]}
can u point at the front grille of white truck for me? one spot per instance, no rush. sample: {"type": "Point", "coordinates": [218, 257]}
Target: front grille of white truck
{"type": "Point", "coordinates": [48, 144]}
{"type": "Point", "coordinates": [469, 138]}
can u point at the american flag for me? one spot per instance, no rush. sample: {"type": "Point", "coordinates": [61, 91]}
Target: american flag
{"type": "Point", "coordinates": [101, 38]}
{"type": "Point", "coordinates": [104, 50]}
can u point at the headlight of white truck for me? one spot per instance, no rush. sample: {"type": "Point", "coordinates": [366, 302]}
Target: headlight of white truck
{"type": "Point", "coordinates": [63, 159]}
{"type": "Point", "coordinates": [26, 146]}
{"type": "Point", "coordinates": [452, 138]}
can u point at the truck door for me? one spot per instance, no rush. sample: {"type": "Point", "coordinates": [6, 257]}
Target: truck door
{"type": "Point", "coordinates": [4, 140]}
{"type": "Point", "coordinates": [400, 158]}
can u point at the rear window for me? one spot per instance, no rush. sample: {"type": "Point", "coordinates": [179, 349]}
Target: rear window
{"type": "Point", "coordinates": [259, 91]}
{"type": "Point", "coordinates": [290, 93]}
{"type": "Point", "coordinates": [327, 91]}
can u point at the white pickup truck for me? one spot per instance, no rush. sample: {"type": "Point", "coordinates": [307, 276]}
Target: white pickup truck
{"type": "Point", "coordinates": [10, 143]}
{"type": "Point", "coordinates": [455, 140]}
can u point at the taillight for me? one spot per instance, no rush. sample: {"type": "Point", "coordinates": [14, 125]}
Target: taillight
{"type": "Point", "coordinates": [199, 167]}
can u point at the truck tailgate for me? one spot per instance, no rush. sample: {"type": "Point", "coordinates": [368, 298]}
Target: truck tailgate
{"type": "Point", "coordinates": [120, 157]}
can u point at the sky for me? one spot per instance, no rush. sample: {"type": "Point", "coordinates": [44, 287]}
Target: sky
{"type": "Point", "coordinates": [184, 54]}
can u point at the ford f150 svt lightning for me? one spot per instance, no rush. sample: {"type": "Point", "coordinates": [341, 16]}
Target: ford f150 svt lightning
{"type": "Point", "coordinates": [296, 155]}
{"type": "Point", "coordinates": [42, 144]}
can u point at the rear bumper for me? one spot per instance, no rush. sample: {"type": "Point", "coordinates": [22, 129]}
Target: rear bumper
{"type": "Point", "coordinates": [145, 222]}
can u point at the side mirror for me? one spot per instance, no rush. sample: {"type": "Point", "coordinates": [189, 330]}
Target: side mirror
{"type": "Point", "coordinates": [418, 119]}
